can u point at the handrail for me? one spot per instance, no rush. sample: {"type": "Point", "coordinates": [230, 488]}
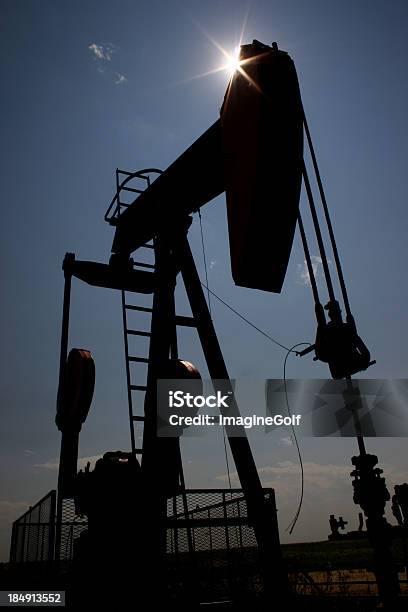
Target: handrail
{"type": "Point", "coordinates": [119, 187]}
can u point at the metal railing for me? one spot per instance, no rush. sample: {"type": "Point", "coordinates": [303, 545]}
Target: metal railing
{"type": "Point", "coordinates": [32, 536]}
{"type": "Point", "coordinates": [139, 180]}
{"type": "Point", "coordinates": [207, 529]}
{"type": "Point", "coordinates": [211, 545]}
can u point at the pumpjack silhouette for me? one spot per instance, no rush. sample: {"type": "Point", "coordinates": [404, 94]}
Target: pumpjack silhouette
{"type": "Point", "coordinates": [253, 152]}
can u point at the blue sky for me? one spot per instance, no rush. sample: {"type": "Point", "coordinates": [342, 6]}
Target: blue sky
{"type": "Point", "coordinates": [91, 86]}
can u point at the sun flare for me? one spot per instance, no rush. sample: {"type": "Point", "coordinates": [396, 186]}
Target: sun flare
{"type": "Point", "coordinates": [233, 62]}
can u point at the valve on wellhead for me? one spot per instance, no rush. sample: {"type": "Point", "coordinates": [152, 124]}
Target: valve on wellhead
{"type": "Point", "coordinates": [370, 490]}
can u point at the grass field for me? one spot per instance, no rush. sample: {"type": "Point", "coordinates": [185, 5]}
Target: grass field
{"type": "Point", "coordinates": [337, 555]}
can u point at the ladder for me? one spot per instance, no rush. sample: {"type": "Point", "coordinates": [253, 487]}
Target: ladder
{"type": "Point", "coordinates": [137, 388]}
{"type": "Point", "coordinates": [134, 386]}
{"type": "Point", "coordinates": [129, 185]}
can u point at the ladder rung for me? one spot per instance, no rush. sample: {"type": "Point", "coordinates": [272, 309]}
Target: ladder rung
{"type": "Point", "coordinates": [138, 387]}
{"type": "Point", "coordinates": [138, 418]}
{"type": "Point", "coordinates": [186, 321]}
{"type": "Point", "coordinates": [136, 332]}
{"type": "Point", "coordinates": [139, 308]}
{"type": "Point", "coordinates": [139, 451]}
{"type": "Point", "coordinates": [139, 359]}
{"type": "Point", "coordinates": [126, 172]}
{"type": "Point", "coordinates": [132, 189]}
{"type": "Point", "coordinates": [141, 264]}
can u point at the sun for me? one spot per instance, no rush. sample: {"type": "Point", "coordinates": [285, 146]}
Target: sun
{"type": "Point", "coordinates": [233, 62]}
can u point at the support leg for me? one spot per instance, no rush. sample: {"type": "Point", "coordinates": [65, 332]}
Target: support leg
{"type": "Point", "coordinates": [263, 522]}
{"type": "Point", "coordinates": [69, 257]}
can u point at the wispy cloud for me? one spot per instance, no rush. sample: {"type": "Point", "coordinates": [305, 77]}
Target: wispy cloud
{"type": "Point", "coordinates": [287, 441]}
{"type": "Point", "coordinates": [102, 52]}
{"type": "Point", "coordinates": [320, 480]}
{"type": "Point", "coordinates": [327, 489]}
{"type": "Point", "coordinates": [285, 474]}
{"type": "Point", "coordinates": [327, 479]}
{"type": "Point", "coordinates": [51, 464]}
{"type": "Point", "coordinates": [317, 475]}
{"type": "Point", "coordinates": [303, 272]}
{"type": "Point", "coordinates": [120, 78]}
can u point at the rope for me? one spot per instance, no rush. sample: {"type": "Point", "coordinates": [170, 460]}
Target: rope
{"type": "Point", "coordinates": [247, 321]}
{"type": "Point", "coordinates": [318, 234]}
{"type": "Point", "coordinates": [327, 217]}
{"type": "Point", "coordinates": [205, 260]}
{"type": "Point", "coordinates": [292, 524]}
{"type": "Point", "coordinates": [308, 260]}
{"type": "Point", "coordinates": [226, 459]}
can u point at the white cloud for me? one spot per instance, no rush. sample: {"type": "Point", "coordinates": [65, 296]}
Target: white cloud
{"type": "Point", "coordinates": [322, 476]}
{"type": "Point", "coordinates": [102, 52]}
{"type": "Point", "coordinates": [327, 480]}
{"type": "Point", "coordinates": [120, 78]}
{"type": "Point", "coordinates": [287, 441]}
{"type": "Point", "coordinates": [304, 277]}
{"type": "Point", "coordinates": [327, 490]}
{"type": "Point", "coordinates": [285, 477]}
{"type": "Point", "coordinates": [52, 464]}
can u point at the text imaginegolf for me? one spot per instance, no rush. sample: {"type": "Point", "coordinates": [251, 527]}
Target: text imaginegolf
{"type": "Point", "coordinates": [205, 420]}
